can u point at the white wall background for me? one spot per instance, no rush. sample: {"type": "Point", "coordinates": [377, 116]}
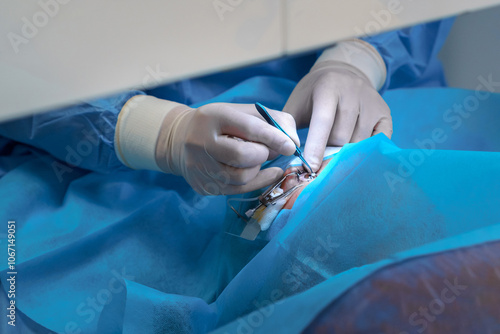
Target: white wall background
{"type": "Point", "coordinates": [58, 52]}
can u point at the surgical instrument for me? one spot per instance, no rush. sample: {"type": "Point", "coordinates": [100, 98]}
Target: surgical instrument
{"type": "Point", "coordinates": [269, 119]}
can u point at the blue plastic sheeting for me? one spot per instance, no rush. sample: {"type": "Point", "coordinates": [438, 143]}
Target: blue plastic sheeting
{"type": "Point", "coordinates": [301, 310]}
{"type": "Point", "coordinates": [351, 216]}
{"type": "Point", "coordinates": [446, 118]}
{"type": "Point", "coordinates": [129, 250]}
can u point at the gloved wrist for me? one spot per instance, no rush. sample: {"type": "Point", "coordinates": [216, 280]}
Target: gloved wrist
{"type": "Point", "coordinates": [356, 56]}
{"type": "Point", "coordinates": [138, 130]}
{"type": "Point", "coordinates": [171, 140]}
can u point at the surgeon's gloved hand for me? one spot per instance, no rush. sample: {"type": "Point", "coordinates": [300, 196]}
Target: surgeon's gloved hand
{"type": "Point", "coordinates": [338, 99]}
{"type": "Point", "coordinates": [218, 148]}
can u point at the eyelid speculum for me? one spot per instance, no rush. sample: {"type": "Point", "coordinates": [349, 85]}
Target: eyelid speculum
{"type": "Point", "coordinates": [272, 194]}
{"type": "Point", "coordinates": [275, 193]}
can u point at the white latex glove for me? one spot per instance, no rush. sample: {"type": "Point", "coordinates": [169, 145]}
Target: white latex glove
{"type": "Point", "coordinates": [218, 148]}
{"type": "Point", "coordinates": [338, 99]}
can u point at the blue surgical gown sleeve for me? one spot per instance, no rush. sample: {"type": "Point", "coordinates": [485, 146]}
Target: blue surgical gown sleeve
{"type": "Point", "coordinates": [410, 54]}
{"type": "Point", "coordinates": [82, 135]}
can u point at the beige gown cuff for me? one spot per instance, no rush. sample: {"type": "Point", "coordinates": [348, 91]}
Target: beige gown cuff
{"type": "Point", "coordinates": [360, 55]}
{"type": "Point", "coordinates": [138, 128]}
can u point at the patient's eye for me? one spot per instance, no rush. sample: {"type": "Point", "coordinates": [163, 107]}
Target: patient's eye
{"type": "Point", "coordinates": [307, 177]}
{"type": "Point", "coordinates": [296, 177]}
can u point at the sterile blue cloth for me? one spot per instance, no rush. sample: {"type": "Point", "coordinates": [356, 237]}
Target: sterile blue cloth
{"type": "Point", "coordinates": [129, 250]}
{"type": "Point", "coordinates": [410, 54]}
{"type": "Point", "coordinates": [139, 251]}
{"type": "Point", "coordinates": [81, 135]}
{"type": "Point", "coordinates": [473, 308]}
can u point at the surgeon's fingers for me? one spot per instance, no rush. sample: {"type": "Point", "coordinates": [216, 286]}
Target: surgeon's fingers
{"type": "Point", "coordinates": [344, 124]}
{"type": "Point", "coordinates": [383, 126]}
{"type": "Point", "coordinates": [229, 175]}
{"type": "Point", "coordinates": [235, 152]}
{"type": "Point", "coordinates": [323, 114]}
{"type": "Point", "coordinates": [287, 123]}
{"type": "Point", "coordinates": [264, 178]}
{"type": "Point", "coordinates": [363, 129]}
{"type": "Point", "coordinates": [255, 129]}
{"type": "Point", "coordinates": [284, 119]}
{"type": "Point", "coordinates": [272, 155]}
{"type": "Point", "coordinates": [241, 176]}
{"type": "Point", "coordinates": [367, 121]}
